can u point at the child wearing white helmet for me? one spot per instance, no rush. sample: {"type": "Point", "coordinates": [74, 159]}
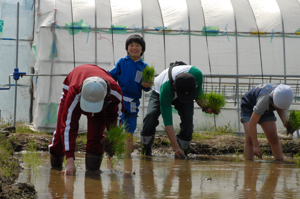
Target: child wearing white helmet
{"type": "Point", "coordinates": [257, 107]}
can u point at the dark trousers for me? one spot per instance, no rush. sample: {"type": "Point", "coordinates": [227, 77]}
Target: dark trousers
{"type": "Point", "coordinates": [185, 111]}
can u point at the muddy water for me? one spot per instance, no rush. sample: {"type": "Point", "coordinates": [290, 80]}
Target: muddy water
{"type": "Point", "coordinates": [165, 177]}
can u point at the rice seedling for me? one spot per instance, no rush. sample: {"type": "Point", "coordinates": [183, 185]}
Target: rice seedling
{"type": "Point", "coordinates": [293, 122]}
{"type": "Point", "coordinates": [115, 140]}
{"type": "Point", "coordinates": [297, 157]}
{"type": "Point", "coordinates": [31, 158]}
{"type": "Point", "coordinates": [148, 75]}
{"type": "Point", "coordinates": [213, 101]}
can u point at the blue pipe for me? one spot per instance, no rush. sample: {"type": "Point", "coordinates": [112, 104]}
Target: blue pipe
{"type": "Point", "coordinates": [7, 38]}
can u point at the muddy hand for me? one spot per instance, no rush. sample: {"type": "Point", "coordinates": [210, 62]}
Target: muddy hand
{"type": "Point", "coordinates": [179, 154]}
{"type": "Point", "coordinates": [67, 172]}
{"type": "Point", "coordinates": [258, 155]}
{"type": "Point", "coordinates": [257, 152]}
{"type": "Point", "coordinates": [70, 168]}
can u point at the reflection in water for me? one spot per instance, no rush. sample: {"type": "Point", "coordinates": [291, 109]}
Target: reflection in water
{"type": "Point", "coordinates": [128, 188]}
{"type": "Point", "coordinates": [93, 185]}
{"type": "Point", "coordinates": [166, 177]}
{"type": "Point", "coordinates": [147, 177]}
{"type": "Point", "coordinates": [180, 172]}
{"type": "Point", "coordinates": [252, 171]}
{"type": "Point", "coordinates": [56, 186]}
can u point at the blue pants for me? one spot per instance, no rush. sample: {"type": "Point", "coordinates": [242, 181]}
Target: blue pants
{"type": "Point", "coordinates": [130, 115]}
{"type": "Point", "coordinates": [185, 111]}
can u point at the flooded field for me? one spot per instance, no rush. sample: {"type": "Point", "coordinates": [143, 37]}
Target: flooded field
{"type": "Point", "coordinates": [166, 177]}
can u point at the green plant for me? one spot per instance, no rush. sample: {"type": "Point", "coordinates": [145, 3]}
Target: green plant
{"type": "Point", "coordinates": [213, 101]}
{"type": "Point", "coordinates": [297, 157]}
{"type": "Point", "coordinates": [22, 128]}
{"type": "Point", "coordinates": [236, 151]}
{"type": "Point", "coordinates": [201, 136]}
{"type": "Point", "coordinates": [261, 135]}
{"type": "Point", "coordinates": [148, 75]}
{"type": "Point", "coordinates": [31, 157]}
{"type": "Point", "coordinates": [221, 130]}
{"type": "Point", "coordinates": [225, 129]}
{"type": "Point", "coordinates": [115, 140]}
{"type": "Point", "coordinates": [4, 124]}
{"type": "Point", "coordinates": [9, 167]}
{"type": "Point", "coordinates": [293, 122]}
{"type": "Point", "coordinates": [82, 138]}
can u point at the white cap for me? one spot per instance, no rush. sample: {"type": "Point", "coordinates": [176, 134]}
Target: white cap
{"type": "Point", "coordinates": [283, 96]}
{"type": "Point", "coordinates": [93, 93]}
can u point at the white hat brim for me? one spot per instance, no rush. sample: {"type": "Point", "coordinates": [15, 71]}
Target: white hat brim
{"type": "Point", "coordinates": [91, 107]}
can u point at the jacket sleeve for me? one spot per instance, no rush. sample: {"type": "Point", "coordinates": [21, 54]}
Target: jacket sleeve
{"type": "Point", "coordinates": [115, 108]}
{"type": "Point", "coordinates": [69, 121]}
{"type": "Point", "coordinates": [115, 72]}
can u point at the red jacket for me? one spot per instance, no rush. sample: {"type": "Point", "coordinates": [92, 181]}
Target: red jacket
{"type": "Point", "coordinates": [70, 111]}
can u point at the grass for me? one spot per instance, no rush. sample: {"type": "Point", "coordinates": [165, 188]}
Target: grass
{"type": "Point", "coordinates": [225, 129]}
{"type": "Point", "coordinates": [213, 101]}
{"type": "Point", "coordinates": [21, 128]}
{"type": "Point", "coordinates": [261, 135]}
{"type": "Point", "coordinates": [9, 167]}
{"type": "Point", "coordinates": [148, 75]}
{"type": "Point", "coordinates": [82, 138]}
{"type": "Point", "coordinates": [4, 124]}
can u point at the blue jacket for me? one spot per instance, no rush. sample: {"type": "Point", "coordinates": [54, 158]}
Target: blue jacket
{"type": "Point", "coordinates": [129, 76]}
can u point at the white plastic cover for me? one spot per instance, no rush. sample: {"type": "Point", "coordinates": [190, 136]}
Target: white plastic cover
{"type": "Point", "coordinates": [220, 37]}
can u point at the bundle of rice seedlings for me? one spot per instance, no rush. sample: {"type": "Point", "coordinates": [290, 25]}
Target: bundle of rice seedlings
{"type": "Point", "coordinates": [115, 140]}
{"type": "Point", "coordinates": [293, 122]}
{"type": "Point", "coordinates": [148, 75]}
{"type": "Point", "coordinates": [214, 101]}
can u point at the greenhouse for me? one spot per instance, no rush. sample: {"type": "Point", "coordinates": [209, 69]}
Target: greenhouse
{"type": "Point", "coordinates": [235, 43]}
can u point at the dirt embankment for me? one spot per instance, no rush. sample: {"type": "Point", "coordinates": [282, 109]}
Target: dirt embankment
{"type": "Point", "coordinates": [215, 145]}
{"type": "Point", "coordinates": [223, 145]}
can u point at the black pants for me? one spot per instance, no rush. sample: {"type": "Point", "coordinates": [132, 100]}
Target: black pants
{"type": "Point", "coordinates": [185, 111]}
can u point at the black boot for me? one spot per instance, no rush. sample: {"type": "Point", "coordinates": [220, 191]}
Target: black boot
{"type": "Point", "coordinates": [93, 161]}
{"type": "Point", "coordinates": [56, 161]}
{"type": "Point", "coordinates": [147, 142]}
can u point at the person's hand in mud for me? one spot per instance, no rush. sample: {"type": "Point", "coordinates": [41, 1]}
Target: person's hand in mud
{"type": "Point", "coordinates": [257, 151]}
{"type": "Point", "coordinates": [70, 168]}
{"type": "Point", "coordinates": [179, 154]}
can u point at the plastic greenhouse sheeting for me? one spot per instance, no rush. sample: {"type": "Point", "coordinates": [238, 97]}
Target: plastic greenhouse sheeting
{"type": "Point", "coordinates": [8, 57]}
{"type": "Point", "coordinates": [235, 43]}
